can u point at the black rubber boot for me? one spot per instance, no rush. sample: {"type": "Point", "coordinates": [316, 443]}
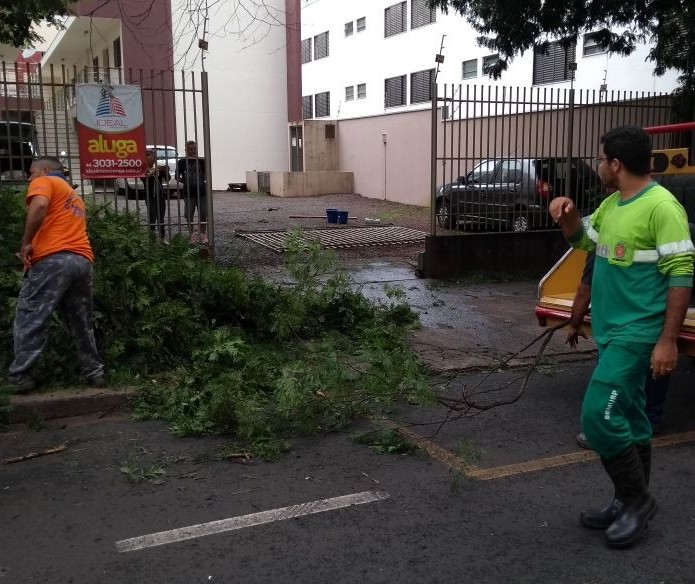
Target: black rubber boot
{"type": "Point", "coordinates": [645, 455]}
{"type": "Point", "coordinates": [601, 518]}
{"type": "Point", "coordinates": [628, 475]}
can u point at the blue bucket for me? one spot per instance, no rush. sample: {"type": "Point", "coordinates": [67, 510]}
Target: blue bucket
{"type": "Point", "coordinates": [342, 217]}
{"type": "Point", "coordinates": [332, 215]}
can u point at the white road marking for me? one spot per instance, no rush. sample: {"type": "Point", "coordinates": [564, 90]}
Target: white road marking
{"type": "Point", "coordinates": [251, 520]}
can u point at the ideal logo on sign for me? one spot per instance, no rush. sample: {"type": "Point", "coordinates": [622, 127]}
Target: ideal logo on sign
{"type": "Point", "coordinates": [109, 110]}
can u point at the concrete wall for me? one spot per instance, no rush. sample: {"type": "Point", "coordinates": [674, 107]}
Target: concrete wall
{"type": "Point", "coordinates": [395, 170]}
{"type": "Point", "coordinates": [320, 153]}
{"type": "Point", "coordinates": [305, 184]}
{"type": "Point", "coordinates": [521, 254]}
{"type": "Point", "coordinates": [399, 168]}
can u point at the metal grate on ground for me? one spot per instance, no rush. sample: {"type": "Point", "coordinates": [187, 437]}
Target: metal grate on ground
{"type": "Point", "coordinates": [339, 238]}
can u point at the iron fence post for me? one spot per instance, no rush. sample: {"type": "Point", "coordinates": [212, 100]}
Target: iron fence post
{"type": "Point", "coordinates": [208, 162]}
{"type": "Point", "coordinates": [570, 131]}
{"type": "Point", "coordinates": [433, 169]}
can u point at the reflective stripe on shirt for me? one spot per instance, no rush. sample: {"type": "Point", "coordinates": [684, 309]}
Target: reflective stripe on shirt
{"type": "Point", "coordinates": [640, 256]}
{"type": "Point", "coordinates": [675, 247]}
{"type": "Point", "coordinates": [590, 231]}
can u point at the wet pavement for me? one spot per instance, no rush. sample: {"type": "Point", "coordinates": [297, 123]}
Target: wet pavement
{"type": "Point", "coordinates": [465, 324]}
{"type": "Point", "coordinates": [65, 513]}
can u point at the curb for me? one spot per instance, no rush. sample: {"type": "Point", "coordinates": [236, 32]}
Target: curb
{"type": "Point", "coordinates": [68, 403]}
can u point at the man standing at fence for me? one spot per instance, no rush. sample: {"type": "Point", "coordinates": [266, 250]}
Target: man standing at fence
{"type": "Point", "coordinates": [640, 292]}
{"type": "Point", "coordinates": [57, 258]}
{"type": "Point", "coordinates": [155, 198]}
{"type": "Point", "coordinates": [190, 172]}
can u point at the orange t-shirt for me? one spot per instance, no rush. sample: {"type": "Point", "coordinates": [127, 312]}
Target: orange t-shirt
{"type": "Point", "coordinates": [64, 228]}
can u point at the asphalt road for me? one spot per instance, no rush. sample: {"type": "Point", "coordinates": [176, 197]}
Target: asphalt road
{"type": "Point", "coordinates": [62, 515]}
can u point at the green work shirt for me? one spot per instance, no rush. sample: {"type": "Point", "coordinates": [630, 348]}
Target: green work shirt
{"type": "Point", "coordinates": [642, 247]}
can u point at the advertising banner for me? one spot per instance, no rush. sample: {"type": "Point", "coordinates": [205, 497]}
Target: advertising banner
{"type": "Point", "coordinates": [110, 131]}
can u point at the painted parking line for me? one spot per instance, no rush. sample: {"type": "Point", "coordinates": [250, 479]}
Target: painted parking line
{"type": "Point", "coordinates": [471, 471]}
{"type": "Point", "coordinates": [486, 474]}
{"type": "Point", "coordinates": [251, 520]}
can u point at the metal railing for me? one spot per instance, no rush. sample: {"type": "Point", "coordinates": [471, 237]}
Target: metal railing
{"type": "Point", "coordinates": [175, 110]}
{"type": "Point", "coordinates": [499, 154]}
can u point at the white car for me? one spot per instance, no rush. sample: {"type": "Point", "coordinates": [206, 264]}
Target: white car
{"type": "Point", "coordinates": [133, 187]}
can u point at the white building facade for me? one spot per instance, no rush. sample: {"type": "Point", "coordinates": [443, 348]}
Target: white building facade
{"type": "Point", "coordinates": [246, 63]}
{"type": "Point", "coordinates": [371, 57]}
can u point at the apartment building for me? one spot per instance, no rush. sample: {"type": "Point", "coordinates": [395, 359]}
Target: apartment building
{"type": "Point", "coordinates": [370, 57]}
{"type": "Point", "coordinates": [157, 45]}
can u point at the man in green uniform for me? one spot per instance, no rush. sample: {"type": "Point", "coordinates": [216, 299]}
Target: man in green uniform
{"type": "Point", "coordinates": [640, 293]}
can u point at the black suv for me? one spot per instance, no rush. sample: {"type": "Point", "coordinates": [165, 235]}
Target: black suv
{"type": "Point", "coordinates": [513, 193]}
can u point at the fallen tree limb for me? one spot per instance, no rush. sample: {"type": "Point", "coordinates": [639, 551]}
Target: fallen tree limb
{"type": "Point", "coordinates": [467, 402]}
{"type": "Point", "coordinates": [47, 451]}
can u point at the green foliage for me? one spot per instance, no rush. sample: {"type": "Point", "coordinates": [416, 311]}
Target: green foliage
{"type": "Point", "coordinates": [387, 442]}
{"type": "Point", "coordinates": [136, 471]}
{"type": "Point", "coordinates": [11, 229]}
{"type": "Point", "coordinates": [5, 407]}
{"type": "Point", "coordinates": [468, 452]}
{"type": "Point", "coordinates": [18, 16]}
{"type": "Point", "coordinates": [35, 422]}
{"type": "Point", "coordinates": [216, 352]}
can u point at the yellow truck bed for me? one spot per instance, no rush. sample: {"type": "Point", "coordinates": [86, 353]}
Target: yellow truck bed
{"type": "Point", "coordinates": [556, 294]}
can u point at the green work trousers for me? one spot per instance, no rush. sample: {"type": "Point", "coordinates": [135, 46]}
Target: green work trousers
{"type": "Point", "coordinates": [613, 416]}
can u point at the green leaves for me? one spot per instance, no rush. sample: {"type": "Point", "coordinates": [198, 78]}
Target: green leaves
{"type": "Point", "coordinates": [18, 16]}
{"type": "Point", "coordinates": [215, 352]}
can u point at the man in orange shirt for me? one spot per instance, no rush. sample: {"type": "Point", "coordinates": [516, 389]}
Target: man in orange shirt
{"type": "Point", "coordinates": [57, 258]}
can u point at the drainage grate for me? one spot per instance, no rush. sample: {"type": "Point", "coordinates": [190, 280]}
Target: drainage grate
{"type": "Point", "coordinates": [340, 238]}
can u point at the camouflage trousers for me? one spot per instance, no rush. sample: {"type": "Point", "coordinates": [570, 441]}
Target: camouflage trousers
{"type": "Point", "coordinates": [63, 282]}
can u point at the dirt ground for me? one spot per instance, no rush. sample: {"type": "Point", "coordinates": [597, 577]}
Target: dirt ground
{"type": "Point", "coordinates": [257, 211]}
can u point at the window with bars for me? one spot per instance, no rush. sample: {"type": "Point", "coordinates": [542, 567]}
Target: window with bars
{"type": "Point", "coordinates": [349, 28]}
{"type": "Point", "coordinates": [489, 62]}
{"type": "Point", "coordinates": [421, 14]}
{"type": "Point", "coordinates": [349, 93]}
{"type": "Point", "coordinates": [361, 91]}
{"type": "Point", "coordinates": [395, 19]}
{"type": "Point", "coordinates": [321, 46]}
{"type": "Point", "coordinates": [470, 69]}
{"type": "Point", "coordinates": [307, 107]}
{"type": "Point", "coordinates": [591, 47]}
{"type": "Point", "coordinates": [395, 91]}
{"type": "Point", "coordinates": [553, 65]}
{"type": "Point", "coordinates": [361, 24]}
{"type": "Point", "coordinates": [322, 104]}
{"type": "Point", "coordinates": [306, 51]}
{"type": "Point", "coordinates": [421, 86]}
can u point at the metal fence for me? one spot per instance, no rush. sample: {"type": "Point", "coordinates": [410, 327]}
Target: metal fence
{"type": "Point", "coordinates": [37, 118]}
{"type": "Point", "coordinates": [499, 154]}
